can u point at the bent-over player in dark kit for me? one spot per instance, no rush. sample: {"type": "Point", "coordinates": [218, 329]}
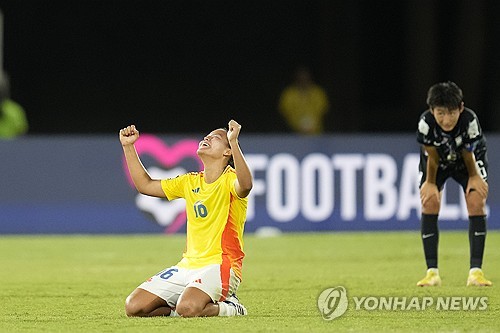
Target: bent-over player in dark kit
{"type": "Point", "coordinates": [453, 146]}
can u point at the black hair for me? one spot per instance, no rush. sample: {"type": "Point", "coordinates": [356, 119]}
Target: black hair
{"type": "Point", "coordinates": [445, 94]}
{"type": "Point", "coordinates": [231, 160]}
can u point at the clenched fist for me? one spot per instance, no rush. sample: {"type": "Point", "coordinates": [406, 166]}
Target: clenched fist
{"type": "Point", "coordinates": [129, 135]}
{"type": "Point", "coordinates": [233, 130]}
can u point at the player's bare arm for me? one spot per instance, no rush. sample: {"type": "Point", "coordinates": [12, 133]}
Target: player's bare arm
{"type": "Point", "coordinates": [244, 181]}
{"type": "Point", "coordinates": [476, 182]}
{"type": "Point", "coordinates": [429, 188]}
{"type": "Point", "coordinates": [141, 178]}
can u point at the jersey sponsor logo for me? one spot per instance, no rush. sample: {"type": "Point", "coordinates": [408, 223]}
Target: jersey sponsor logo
{"type": "Point", "coordinates": [196, 190]}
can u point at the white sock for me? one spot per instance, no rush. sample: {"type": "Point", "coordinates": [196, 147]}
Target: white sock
{"type": "Point", "coordinates": [474, 269]}
{"type": "Point", "coordinates": [226, 310]}
{"type": "Point", "coordinates": [434, 270]}
{"type": "Point", "coordinates": [173, 313]}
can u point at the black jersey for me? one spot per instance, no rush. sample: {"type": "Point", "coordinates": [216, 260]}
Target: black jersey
{"type": "Point", "coordinates": [467, 134]}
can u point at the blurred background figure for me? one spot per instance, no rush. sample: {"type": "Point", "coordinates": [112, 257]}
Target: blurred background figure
{"type": "Point", "coordinates": [304, 104]}
{"type": "Point", "coordinates": [13, 121]}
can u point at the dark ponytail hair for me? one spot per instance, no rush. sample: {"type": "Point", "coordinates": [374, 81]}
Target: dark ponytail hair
{"type": "Point", "coordinates": [230, 162]}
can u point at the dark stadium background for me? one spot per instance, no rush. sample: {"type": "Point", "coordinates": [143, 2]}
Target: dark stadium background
{"type": "Point", "coordinates": [93, 66]}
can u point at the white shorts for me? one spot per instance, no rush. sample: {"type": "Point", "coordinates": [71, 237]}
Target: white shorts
{"type": "Point", "coordinates": [216, 282]}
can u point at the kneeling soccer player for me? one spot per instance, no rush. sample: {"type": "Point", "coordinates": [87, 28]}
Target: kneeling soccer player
{"type": "Point", "coordinates": [205, 281]}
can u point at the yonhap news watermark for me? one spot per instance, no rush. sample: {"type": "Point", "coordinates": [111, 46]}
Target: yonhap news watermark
{"type": "Point", "coordinates": [333, 303]}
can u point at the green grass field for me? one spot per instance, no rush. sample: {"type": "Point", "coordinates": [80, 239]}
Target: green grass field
{"type": "Point", "coordinates": [79, 283]}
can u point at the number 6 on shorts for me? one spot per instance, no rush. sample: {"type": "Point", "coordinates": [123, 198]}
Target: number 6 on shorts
{"type": "Point", "coordinates": [168, 273]}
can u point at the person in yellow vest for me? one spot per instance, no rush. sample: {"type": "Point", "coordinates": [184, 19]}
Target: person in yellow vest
{"type": "Point", "coordinates": [205, 281]}
{"type": "Point", "coordinates": [13, 121]}
{"type": "Point", "coordinates": [304, 104]}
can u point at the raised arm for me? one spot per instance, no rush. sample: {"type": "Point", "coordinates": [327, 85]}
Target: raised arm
{"type": "Point", "coordinates": [244, 181]}
{"type": "Point", "coordinates": [141, 178]}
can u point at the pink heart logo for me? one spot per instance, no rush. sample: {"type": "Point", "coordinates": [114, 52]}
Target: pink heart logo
{"type": "Point", "coordinates": [168, 157]}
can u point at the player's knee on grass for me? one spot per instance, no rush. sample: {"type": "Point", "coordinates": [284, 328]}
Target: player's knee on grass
{"type": "Point", "coordinates": [132, 309]}
{"type": "Point", "coordinates": [189, 308]}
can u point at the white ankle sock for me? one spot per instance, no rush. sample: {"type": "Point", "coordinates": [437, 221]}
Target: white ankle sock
{"type": "Point", "coordinates": [475, 269]}
{"type": "Point", "coordinates": [226, 310]}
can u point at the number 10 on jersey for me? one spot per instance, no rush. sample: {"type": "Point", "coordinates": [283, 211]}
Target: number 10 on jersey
{"type": "Point", "coordinates": [200, 210]}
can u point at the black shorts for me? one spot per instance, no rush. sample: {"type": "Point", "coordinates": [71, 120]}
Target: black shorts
{"type": "Point", "coordinates": [457, 171]}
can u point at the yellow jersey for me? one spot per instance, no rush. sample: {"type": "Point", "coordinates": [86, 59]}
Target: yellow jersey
{"type": "Point", "coordinates": [215, 219]}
